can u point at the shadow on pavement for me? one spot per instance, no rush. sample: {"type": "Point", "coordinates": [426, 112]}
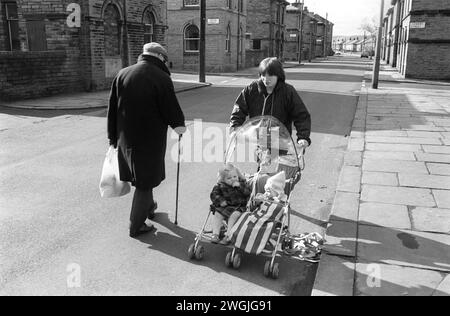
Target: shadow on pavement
{"type": "Point", "coordinates": [395, 251]}
{"type": "Point", "coordinates": [176, 244]}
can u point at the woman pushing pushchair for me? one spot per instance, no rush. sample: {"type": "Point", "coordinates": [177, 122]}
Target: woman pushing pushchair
{"type": "Point", "coordinates": [271, 95]}
{"type": "Point", "coordinates": [259, 214]}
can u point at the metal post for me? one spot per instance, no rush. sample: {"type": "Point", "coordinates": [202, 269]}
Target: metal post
{"type": "Point", "coordinates": [202, 77]}
{"type": "Point", "coordinates": [238, 46]}
{"type": "Point", "coordinates": [325, 38]}
{"type": "Point", "coordinates": [311, 25]}
{"type": "Point", "coordinates": [376, 66]}
{"type": "Point", "coordinates": [301, 33]}
{"type": "Point", "coordinates": [125, 58]}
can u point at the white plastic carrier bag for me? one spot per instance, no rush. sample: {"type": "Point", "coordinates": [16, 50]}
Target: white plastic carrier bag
{"type": "Point", "coordinates": [110, 184]}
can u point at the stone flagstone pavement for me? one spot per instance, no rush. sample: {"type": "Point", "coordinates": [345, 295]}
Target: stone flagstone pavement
{"type": "Point", "coordinates": [389, 231]}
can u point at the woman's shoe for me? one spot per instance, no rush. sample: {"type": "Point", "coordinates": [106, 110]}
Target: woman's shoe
{"type": "Point", "coordinates": [215, 239]}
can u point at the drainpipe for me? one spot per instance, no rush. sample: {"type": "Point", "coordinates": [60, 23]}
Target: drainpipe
{"type": "Point", "coordinates": [126, 57]}
{"type": "Point", "coordinates": [396, 36]}
{"type": "Point", "coordinates": [238, 34]}
{"type": "Point", "coordinates": [301, 34]}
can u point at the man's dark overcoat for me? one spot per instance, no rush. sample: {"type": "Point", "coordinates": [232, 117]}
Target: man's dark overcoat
{"type": "Point", "coordinates": [141, 107]}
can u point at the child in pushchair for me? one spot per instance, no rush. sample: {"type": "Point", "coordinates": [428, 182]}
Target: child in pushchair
{"type": "Point", "coordinates": [262, 225]}
{"type": "Point", "coordinates": [229, 199]}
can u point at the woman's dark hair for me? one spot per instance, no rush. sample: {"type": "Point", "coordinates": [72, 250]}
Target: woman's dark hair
{"type": "Point", "coordinates": [273, 67]}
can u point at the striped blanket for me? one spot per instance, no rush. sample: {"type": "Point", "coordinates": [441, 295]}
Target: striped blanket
{"type": "Point", "coordinates": [253, 229]}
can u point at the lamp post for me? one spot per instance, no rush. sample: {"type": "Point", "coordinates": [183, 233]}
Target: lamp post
{"type": "Point", "coordinates": [300, 41]}
{"type": "Point", "coordinates": [202, 77]}
{"type": "Point", "coordinates": [376, 66]}
{"type": "Point", "coordinates": [126, 57]}
{"type": "Point", "coordinates": [311, 25]}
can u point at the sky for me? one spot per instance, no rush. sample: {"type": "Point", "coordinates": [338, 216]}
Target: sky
{"type": "Point", "coordinates": [347, 15]}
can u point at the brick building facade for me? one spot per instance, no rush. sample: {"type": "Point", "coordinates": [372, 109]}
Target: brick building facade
{"type": "Point", "coordinates": [226, 22]}
{"type": "Point", "coordinates": [314, 32]}
{"type": "Point", "coordinates": [417, 38]}
{"type": "Point", "coordinates": [266, 30]}
{"type": "Point", "coordinates": [56, 46]}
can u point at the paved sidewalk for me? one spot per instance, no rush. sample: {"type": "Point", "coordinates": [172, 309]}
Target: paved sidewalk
{"type": "Point", "coordinates": [390, 74]}
{"type": "Point", "coordinates": [389, 231]}
{"type": "Point", "coordinates": [85, 100]}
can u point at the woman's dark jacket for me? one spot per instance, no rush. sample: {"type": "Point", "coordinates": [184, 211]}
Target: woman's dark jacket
{"type": "Point", "coordinates": [284, 103]}
{"type": "Point", "coordinates": [142, 105]}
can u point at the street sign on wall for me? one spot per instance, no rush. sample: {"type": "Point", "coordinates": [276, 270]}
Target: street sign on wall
{"type": "Point", "coordinates": [417, 25]}
{"type": "Point", "coordinates": [213, 21]}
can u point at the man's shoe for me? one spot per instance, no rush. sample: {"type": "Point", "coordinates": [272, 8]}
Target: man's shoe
{"type": "Point", "coordinates": [144, 229]}
{"type": "Point", "coordinates": [151, 212]}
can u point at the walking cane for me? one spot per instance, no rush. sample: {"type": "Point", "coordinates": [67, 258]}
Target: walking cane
{"type": "Point", "coordinates": [178, 179]}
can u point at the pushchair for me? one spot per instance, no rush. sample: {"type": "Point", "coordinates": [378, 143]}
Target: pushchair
{"type": "Point", "coordinates": [260, 148]}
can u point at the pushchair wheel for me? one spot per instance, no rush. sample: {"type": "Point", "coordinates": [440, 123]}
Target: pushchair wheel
{"type": "Point", "coordinates": [237, 261]}
{"type": "Point", "coordinates": [267, 269]}
{"type": "Point", "coordinates": [271, 271]}
{"type": "Point", "coordinates": [199, 252]}
{"type": "Point", "coordinates": [276, 271]}
{"type": "Point", "coordinates": [228, 259]}
{"type": "Point", "coordinates": [191, 251]}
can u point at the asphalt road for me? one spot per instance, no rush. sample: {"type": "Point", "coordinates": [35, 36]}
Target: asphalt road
{"type": "Point", "coordinates": [58, 237]}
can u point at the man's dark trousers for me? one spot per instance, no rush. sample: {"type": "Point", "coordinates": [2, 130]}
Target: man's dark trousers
{"type": "Point", "coordinates": [142, 204]}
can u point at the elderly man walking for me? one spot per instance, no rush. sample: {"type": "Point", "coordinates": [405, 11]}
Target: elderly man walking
{"type": "Point", "coordinates": [142, 105]}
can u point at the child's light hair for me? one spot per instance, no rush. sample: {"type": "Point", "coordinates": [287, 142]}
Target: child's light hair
{"type": "Point", "coordinates": [225, 170]}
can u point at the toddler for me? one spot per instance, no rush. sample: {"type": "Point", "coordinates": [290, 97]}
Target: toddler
{"type": "Point", "coordinates": [229, 198]}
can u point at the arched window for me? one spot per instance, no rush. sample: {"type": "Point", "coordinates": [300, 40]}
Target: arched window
{"type": "Point", "coordinates": [191, 38]}
{"type": "Point", "coordinates": [149, 25]}
{"type": "Point", "coordinates": [112, 25]}
{"type": "Point", "coordinates": [228, 40]}
{"type": "Point", "coordinates": [12, 25]}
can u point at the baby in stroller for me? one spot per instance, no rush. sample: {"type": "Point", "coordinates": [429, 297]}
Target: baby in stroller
{"type": "Point", "coordinates": [229, 200]}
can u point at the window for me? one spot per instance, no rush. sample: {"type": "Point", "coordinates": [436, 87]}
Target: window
{"type": "Point", "coordinates": [256, 44]}
{"type": "Point", "coordinates": [228, 40]}
{"type": "Point", "coordinates": [12, 23]}
{"type": "Point", "coordinates": [191, 3]}
{"type": "Point", "coordinates": [149, 22]}
{"type": "Point", "coordinates": [37, 37]}
{"type": "Point", "coordinates": [278, 14]}
{"type": "Point", "coordinates": [230, 4]}
{"type": "Point", "coordinates": [112, 31]}
{"type": "Point", "coordinates": [241, 5]}
{"type": "Point", "coordinates": [191, 39]}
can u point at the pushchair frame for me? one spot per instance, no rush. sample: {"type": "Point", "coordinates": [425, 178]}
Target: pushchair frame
{"type": "Point", "coordinates": [280, 228]}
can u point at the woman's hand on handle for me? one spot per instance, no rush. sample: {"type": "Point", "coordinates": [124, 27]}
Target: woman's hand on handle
{"type": "Point", "coordinates": [303, 144]}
